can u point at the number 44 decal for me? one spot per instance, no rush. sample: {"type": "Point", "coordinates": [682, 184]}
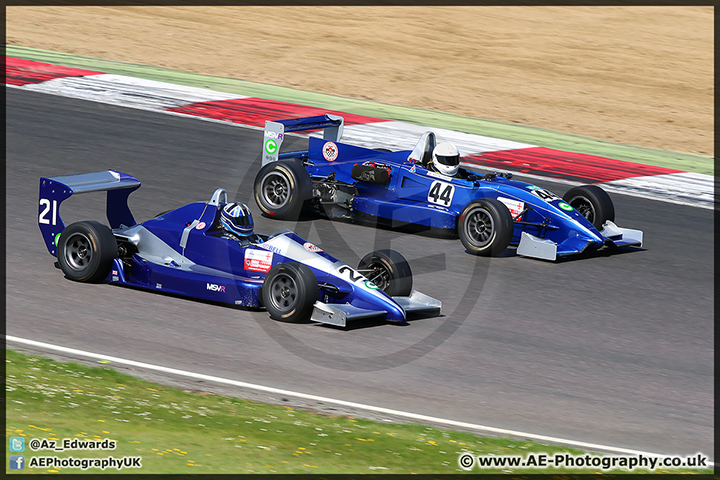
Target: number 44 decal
{"type": "Point", "coordinates": [43, 215]}
{"type": "Point", "coordinates": [441, 193]}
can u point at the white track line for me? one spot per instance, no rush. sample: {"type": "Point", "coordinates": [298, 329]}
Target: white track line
{"type": "Point", "coordinates": [388, 411]}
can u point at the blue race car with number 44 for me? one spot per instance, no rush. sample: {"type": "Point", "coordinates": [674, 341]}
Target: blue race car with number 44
{"type": "Point", "coordinates": [208, 250]}
{"type": "Point", "coordinates": [426, 188]}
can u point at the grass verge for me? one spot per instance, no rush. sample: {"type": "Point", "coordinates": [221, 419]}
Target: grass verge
{"type": "Point", "coordinates": [182, 432]}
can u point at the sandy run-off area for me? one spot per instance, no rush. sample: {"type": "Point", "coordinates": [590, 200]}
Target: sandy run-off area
{"type": "Point", "coordinates": [635, 75]}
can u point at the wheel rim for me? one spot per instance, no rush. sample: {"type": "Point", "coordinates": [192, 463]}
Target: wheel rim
{"type": "Point", "coordinates": [78, 251]}
{"type": "Point", "coordinates": [275, 189]}
{"type": "Point", "coordinates": [378, 274]}
{"type": "Point", "coordinates": [283, 292]}
{"type": "Point", "coordinates": [584, 206]}
{"type": "Point", "coordinates": [479, 227]}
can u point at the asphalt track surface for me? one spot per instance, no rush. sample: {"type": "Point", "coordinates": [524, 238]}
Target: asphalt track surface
{"type": "Point", "coordinates": [609, 349]}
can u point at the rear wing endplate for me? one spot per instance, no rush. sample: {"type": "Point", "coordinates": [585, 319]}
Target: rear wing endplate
{"type": "Point", "coordinates": [275, 131]}
{"type": "Point", "coordinates": [55, 190]}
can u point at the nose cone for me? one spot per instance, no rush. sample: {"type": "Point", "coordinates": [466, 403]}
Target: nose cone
{"type": "Point", "coordinates": [372, 298]}
{"type": "Point", "coordinates": [395, 313]}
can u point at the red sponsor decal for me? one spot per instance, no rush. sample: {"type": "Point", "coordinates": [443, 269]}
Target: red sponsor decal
{"type": "Point", "coordinates": [516, 207]}
{"type": "Point", "coordinates": [330, 151]}
{"type": "Point", "coordinates": [312, 248]}
{"type": "Point", "coordinates": [258, 260]}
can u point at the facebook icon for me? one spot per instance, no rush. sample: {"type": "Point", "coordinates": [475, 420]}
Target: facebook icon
{"type": "Point", "coordinates": [17, 462]}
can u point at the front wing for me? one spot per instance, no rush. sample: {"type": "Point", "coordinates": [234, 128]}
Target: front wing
{"type": "Point", "coordinates": [341, 314]}
{"type": "Point", "coordinates": [532, 246]}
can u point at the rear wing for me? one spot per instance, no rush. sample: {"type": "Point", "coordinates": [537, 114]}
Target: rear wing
{"type": "Point", "coordinates": [55, 190]}
{"type": "Point", "coordinates": [275, 131]}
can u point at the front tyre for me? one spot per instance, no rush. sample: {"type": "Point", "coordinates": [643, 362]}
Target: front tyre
{"type": "Point", "coordinates": [389, 271]}
{"type": "Point", "coordinates": [281, 188]}
{"type": "Point", "coordinates": [86, 251]}
{"type": "Point", "coordinates": [289, 292]}
{"type": "Point", "coordinates": [593, 203]}
{"type": "Point", "coordinates": [485, 227]}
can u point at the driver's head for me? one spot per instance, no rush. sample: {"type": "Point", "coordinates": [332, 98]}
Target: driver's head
{"type": "Point", "coordinates": [236, 218]}
{"type": "Point", "coordinates": [446, 158]}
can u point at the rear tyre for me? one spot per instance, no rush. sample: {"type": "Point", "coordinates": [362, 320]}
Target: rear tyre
{"type": "Point", "coordinates": [485, 227]}
{"type": "Point", "coordinates": [289, 292]}
{"type": "Point", "coordinates": [281, 189]}
{"type": "Point", "coordinates": [593, 203]}
{"type": "Point", "coordinates": [86, 251]}
{"type": "Point", "coordinates": [389, 271]}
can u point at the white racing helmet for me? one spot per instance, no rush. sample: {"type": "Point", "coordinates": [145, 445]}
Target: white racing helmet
{"type": "Point", "coordinates": [446, 158]}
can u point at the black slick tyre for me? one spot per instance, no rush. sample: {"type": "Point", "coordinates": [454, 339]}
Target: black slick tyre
{"type": "Point", "coordinates": [485, 227]}
{"type": "Point", "coordinates": [592, 202]}
{"type": "Point", "coordinates": [289, 292]}
{"type": "Point", "coordinates": [389, 271]}
{"type": "Point", "coordinates": [281, 189]}
{"type": "Point", "coordinates": [86, 251]}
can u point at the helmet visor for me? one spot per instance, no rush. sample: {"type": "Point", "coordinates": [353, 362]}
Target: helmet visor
{"type": "Point", "coordinates": [451, 161]}
{"type": "Point", "coordinates": [243, 221]}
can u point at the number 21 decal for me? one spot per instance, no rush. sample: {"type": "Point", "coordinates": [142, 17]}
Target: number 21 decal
{"type": "Point", "coordinates": [43, 215]}
{"type": "Point", "coordinates": [441, 193]}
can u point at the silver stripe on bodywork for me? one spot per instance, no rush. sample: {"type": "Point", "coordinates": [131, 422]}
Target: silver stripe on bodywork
{"type": "Point", "coordinates": [150, 247]}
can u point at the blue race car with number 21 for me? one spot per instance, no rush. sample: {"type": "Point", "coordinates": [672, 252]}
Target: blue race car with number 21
{"type": "Point", "coordinates": [209, 251]}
